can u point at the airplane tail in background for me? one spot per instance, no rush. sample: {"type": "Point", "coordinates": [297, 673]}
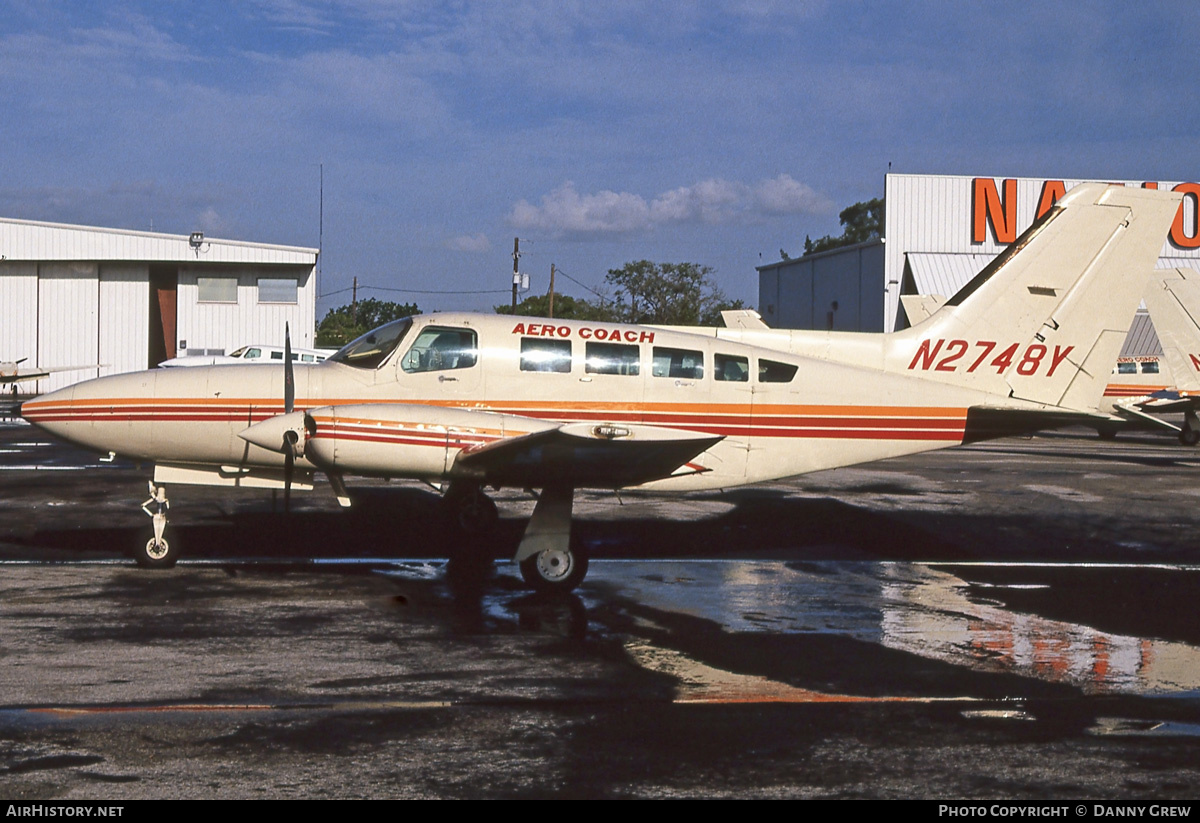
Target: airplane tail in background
{"type": "Point", "coordinates": [1045, 321]}
{"type": "Point", "coordinates": [1174, 303]}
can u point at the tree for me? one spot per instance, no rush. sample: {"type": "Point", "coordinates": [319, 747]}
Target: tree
{"type": "Point", "coordinates": [674, 294]}
{"type": "Point", "coordinates": [345, 323]}
{"type": "Point", "coordinates": [861, 222]}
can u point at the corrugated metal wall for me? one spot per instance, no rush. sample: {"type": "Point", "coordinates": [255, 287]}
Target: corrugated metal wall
{"type": "Point", "coordinates": [68, 321]}
{"type": "Point", "coordinates": [18, 319]}
{"type": "Point", "coordinates": [230, 325]}
{"type": "Point", "coordinates": [840, 290]}
{"type": "Point", "coordinates": [124, 317]}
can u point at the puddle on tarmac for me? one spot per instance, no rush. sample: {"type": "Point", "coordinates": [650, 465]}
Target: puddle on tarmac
{"type": "Point", "coordinates": [908, 607]}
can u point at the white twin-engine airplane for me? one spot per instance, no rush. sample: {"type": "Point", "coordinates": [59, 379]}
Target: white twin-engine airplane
{"type": "Point", "coordinates": [472, 401]}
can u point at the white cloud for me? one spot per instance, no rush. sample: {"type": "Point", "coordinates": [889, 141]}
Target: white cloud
{"type": "Point", "coordinates": [476, 243]}
{"type": "Point", "coordinates": [783, 195]}
{"type": "Point", "coordinates": [564, 210]}
{"type": "Point", "coordinates": [714, 201]}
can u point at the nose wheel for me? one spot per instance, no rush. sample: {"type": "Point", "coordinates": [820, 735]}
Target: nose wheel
{"type": "Point", "coordinates": [157, 553]}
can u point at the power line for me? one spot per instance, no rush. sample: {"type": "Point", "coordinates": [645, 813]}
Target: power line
{"type": "Point", "coordinates": [559, 270]}
{"type": "Point", "coordinates": [412, 291]}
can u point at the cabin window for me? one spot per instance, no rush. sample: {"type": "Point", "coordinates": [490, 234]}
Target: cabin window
{"type": "Point", "coordinates": [277, 290]}
{"type": "Point", "coordinates": [276, 355]}
{"type": "Point", "coordinates": [441, 350]}
{"type": "Point", "coordinates": [217, 289]}
{"type": "Point", "coordinates": [374, 347]}
{"type": "Point", "coordinates": [539, 354]}
{"type": "Point", "coordinates": [731, 369]}
{"type": "Point", "coordinates": [771, 371]}
{"type": "Point", "coordinates": [1150, 367]}
{"type": "Point", "coordinates": [613, 358]}
{"type": "Point", "coordinates": [683, 363]}
{"type": "Point", "coordinates": [251, 354]}
{"type": "Point", "coordinates": [1127, 368]}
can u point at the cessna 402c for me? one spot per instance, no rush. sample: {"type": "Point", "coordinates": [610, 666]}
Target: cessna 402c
{"type": "Point", "coordinates": [472, 401]}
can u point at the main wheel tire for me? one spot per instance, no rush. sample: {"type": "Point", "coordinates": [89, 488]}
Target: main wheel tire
{"type": "Point", "coordinates": [555, 570]}
{"type": "Point", "coordinates": [157, 554]}
{"type": "Point", "coordinates": [1189, 436]}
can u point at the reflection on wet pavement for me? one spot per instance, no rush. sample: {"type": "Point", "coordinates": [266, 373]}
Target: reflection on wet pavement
{"type": "Point", "coordinates": [914, 608]}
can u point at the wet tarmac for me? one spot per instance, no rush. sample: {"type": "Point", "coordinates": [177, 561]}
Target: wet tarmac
{"type": "Point", "coordinates": [1014, 620]}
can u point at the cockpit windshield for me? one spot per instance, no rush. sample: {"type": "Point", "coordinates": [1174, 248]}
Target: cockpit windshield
{"type": "Point", "coordinates": [374, 347]}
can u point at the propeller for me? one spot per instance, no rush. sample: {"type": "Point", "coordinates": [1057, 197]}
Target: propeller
{"type": "Point", "coordinates": [282, 432]}
{"type": "Point", "coordinates": [290, 437]}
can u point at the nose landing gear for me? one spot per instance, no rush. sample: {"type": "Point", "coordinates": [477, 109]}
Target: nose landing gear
{"type": "Point", "coordinates": [157, 553]}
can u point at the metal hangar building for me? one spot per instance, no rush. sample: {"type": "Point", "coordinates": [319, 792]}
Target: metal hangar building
{"type": "Point", "coordinates": [939, 231]}
{"type": "Point", "coordinates": [127, 300]}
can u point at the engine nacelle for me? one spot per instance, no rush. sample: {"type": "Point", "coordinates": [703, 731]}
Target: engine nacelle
{"type": "Point", "coordinates": [390, 439]}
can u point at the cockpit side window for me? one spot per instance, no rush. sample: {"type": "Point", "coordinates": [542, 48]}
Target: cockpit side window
{"type": "Point", "coordinates": [373, 348]}
{"type": "Point", "coordinates": [441, 349]}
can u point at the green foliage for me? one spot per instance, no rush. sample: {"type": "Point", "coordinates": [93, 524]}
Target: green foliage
{"type": "Point", "coordinates": [860, 222]}
{"type": "Point", "coordinates": [345, 323]}
{"type": "Point", "coordinates": [671, 294]}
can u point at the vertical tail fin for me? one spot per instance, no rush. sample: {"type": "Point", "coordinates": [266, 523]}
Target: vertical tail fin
{"type": "Point", "coordinates": [1045, 321]}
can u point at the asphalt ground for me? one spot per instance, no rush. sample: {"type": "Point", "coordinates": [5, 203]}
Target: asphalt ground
{"type": "Point", "coordinates": [1011, 621]}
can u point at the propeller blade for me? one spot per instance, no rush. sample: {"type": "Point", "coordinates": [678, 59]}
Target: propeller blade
{"type": "Point", "coordinates": [289, 467]}
{"type": "Point", "coordinates": [289, 376]}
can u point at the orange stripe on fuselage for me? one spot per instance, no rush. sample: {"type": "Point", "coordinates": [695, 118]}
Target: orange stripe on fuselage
{"type": "Point", "coordinates": [731, 419]}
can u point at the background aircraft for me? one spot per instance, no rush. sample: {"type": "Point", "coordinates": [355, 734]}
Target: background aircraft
{"type": "Point", "coordinates": [477, 401]}
{"type": "Point", "coordinates": [11, 371]}
{"type": "Point", "coordinates": [259, 354]}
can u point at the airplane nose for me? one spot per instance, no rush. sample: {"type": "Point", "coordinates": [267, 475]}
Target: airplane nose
{"type": "Point", "coordinates": [50, 411]}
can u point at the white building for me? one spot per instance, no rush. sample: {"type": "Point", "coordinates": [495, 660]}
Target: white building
{"type": "Point", "coordinates": [127, 300]}
{"type": "Point", "coordinates": [939, 231]}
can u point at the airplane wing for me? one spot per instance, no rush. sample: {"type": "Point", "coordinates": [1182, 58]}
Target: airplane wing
{"type": "Point", "coordinates": [586, 454]}
{"type": "Point", "coordinates": [16, 374]}
{"type": "Point", "coordinates": [489, 448]}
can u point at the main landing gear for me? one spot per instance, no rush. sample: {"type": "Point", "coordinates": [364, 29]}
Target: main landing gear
{"type": "Point", "coordinates": [470, 509]}
{"type": "Point", "coordinates": [157, 553]}
{"type": "Point", "coordinates": [549, 559]}
{"type": "Point", "coordinates": [1189, 435]}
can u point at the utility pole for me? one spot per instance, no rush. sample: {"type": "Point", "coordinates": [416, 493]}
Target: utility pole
{"type": "Point", "coordinates": [354, 303]}
{"type": "Point", "coordinates": [552, 290]}
{"type": "Point", "coordinates": [516, 276]}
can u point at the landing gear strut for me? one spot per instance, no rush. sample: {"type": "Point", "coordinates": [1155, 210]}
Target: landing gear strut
{"type": "Point", "coordinates": [1189, 435]}
{"type": "Point", "coordinates": [471, 510]}
{"type": "Point", "coordinates": [157, 553]}
{"type": "Point", "coordinates": [550, 560]}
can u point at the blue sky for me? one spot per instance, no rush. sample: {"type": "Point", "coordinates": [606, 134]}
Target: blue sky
{"type": "Point", "coordinates": [598, 132]}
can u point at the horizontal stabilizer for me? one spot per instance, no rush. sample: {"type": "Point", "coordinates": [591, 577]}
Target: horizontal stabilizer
{"type": "Point", "coordinates": [991, 422]}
